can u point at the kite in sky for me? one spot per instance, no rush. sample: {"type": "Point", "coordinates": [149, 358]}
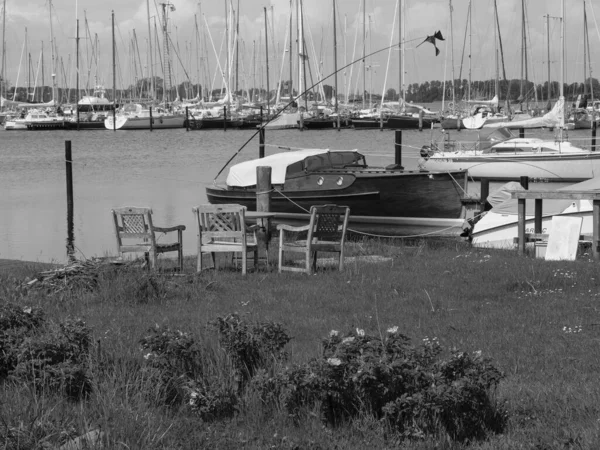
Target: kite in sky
{"type": "Point", "coordinates": [437, 35]}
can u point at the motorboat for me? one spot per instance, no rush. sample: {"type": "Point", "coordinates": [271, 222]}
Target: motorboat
{"type": "Point", "coordinates": [34, 120]}
{"type": "Point", "coordinates": [303, 178]}
{"type": "Point", "coordinates": [497, 228]}
{"type": "Point", "coordinates": [499, 155]}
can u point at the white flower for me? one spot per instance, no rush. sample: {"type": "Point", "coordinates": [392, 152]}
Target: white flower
{"type": "Point", "coordinates": [148, 355]}
{"type": "Point", "coordinates": [392, 330]}
{"type": "Point", "coordinates": [193, 397]}
{"type": "Point", "coordinates": [27, 310]}
{"type": "Point", "coordinates": [477, 354]}
{"type": "Point", "coordinates": [347, 340]}
{"type": "Point", "coordinates": [360, 332]}
{"type": "Point", "coordinates": [334, 361]}
{"type": "Point", "coordinates": [333, 333]}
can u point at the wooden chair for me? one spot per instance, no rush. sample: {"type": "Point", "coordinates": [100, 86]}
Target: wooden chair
{"type": "Point", "coordinates": [326, 233]}
{"type": "Point", "coordinates": [133, 223]}
{"type": "Point", "coordinates": [222, 228]}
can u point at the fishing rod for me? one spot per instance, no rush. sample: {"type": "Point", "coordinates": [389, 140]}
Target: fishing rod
{"type": "Point", "coordinates": [300, 95]}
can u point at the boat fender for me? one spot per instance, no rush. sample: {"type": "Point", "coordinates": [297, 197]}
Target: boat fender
{"type": "Point", "coordinates": [425, 152]}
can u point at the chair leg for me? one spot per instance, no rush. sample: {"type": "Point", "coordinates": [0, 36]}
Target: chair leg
{"type": "Point", "coordinates": [280, 251]}
{"type": "Point", "coordinates": [342, 259]}
{"type": "Point", "coordinates": [153, 259]}
{"type": "Point", "coordinates": [256, 258]}
{"type": "Point", "coordinates": [308, 262]}
{"type": "Point", "coordinates": [314, 263]}
{"type": "Point", "coordinates": [244, 261]}
{"type": "Point", "coordinates": [212, 255]}
{"type": "Point", "coordinates": [199, 263]}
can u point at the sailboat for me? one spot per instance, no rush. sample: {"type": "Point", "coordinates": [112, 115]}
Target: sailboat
{"type": "Point", "coordinates": [499, 155]}
{"type": "Point", "coordinates": [135, 116]}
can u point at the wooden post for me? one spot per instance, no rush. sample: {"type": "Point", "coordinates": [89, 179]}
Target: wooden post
{"type": "Point", "coordinates": [537, 227]}
{"type": "Point", "coordinates": [263, 203]}
{"type": "Point", "coordinates": [151, 119]}
{"type": "Point", "coordinates": [521, 133]}
{"type": "Point", "coordinates": [421, 120]}
{"type": "Point", "coordinates": [339, 125]}
{"type": "Point", "coordinates": [301, 121]}
{"type": "Point", "coordinates": [594, 126]}
{"type": "Point", "coordinates": [224, 118]}
{"type": "Point", "coordinates": [70, 233]}
{"type": "Point", "coordinates": [484, 192]}
{"type": "Point", "coordinates": [524, 182]}
{"type": "Point", "coordinates": [261, 142]}
{"type": "Point", "coordinates": [398, 148]}
{"type": "Point", "coordinates": [381, 120]}
{"type": "Point", "coordinates": [187, 119]}
{"type": "Point", "coordinates": [596, 231]}
{"type": "Point", "coordinates": [521, 225]}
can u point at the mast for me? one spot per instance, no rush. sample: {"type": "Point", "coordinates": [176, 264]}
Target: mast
{"type": "Point", "coordinates": [496, 90]}
{"type": "Point", "coordinates": [227, 48]}
{"type": "Point", "coordinates": [470, 47]}
{"type": "Point", "coordinates": [364, 54]}
{"type": "Point", "coordinates": [114, 64]}
{"type": "Point", "coordinates": [52, 52]}
{"type": "Point", "coordinates": [562, 70]}
{"type": "Point", "coordinates": [589, 52]}
{"type": "Point", "coordinates": [290, 85]}
{"type": "Point", "coordinates": [452, 55]}
{"type": "Point", "coordinates": [548, 40]}
{"type": "Point", "coordinates": [267, 54]}
{"type": "Point", "coordinates": [253, 70]}
{"type": "Point", "coordinates": [77, 70]}
{"type": "Point", "coordinates": [166, 59]}
{"type": "Point", "coordinates": [3, 71]}
{"type": "Point", "coordinates": [237, 44]}
{"type": "Point", "coordinates": [335, 69]}
{"type": "Point", "coordinates": [152, 87]}
{"type": "Point", "coordinates": [304, 57]}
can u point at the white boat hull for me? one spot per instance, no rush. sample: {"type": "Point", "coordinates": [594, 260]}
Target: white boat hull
{"type": "Point", "coordinates": [568, 167]}
{"type": "Point", "coordinates": [15, 125]}
{"type": "Point", "coordinates": [143, 123]}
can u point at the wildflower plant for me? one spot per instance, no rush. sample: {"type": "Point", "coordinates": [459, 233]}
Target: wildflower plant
{"type": "Point", "coordinates": [409, 388]}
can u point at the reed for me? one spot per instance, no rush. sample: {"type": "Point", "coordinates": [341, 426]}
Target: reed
{"type": "Point", "coordinates": [538, 321]}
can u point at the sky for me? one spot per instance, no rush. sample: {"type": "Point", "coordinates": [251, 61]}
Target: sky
{"type": "Point", "coordinates": [421, 18]}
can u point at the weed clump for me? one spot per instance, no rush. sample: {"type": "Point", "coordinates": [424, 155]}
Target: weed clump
{"type": "Point", "coordinates": [44, 354]}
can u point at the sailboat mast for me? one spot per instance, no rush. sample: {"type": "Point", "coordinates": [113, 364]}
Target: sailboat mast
{"type": "Point", "coordinates": [304, 54]}
{"type": "Point", "coordinates": [496, 55]}
{"type": "Point", "coordinates": [3, 71]}
{"type": "Point", "coordinates": [290, 52]}
{"type": "Point", "coordinates": [470, 47]}
{"type": "Point", "coordinates": [562, 70]}
{"type": "Point", "coordinates": [267, 58]}
{"type": "Point", "coordinates": [364, 54]}
{"type": "Point", "coordinates": [452, 56]}
{"type": "Point", "coordinates": [237, 45]}
{"type": "Point", "coordinates": [548, 40]}
{"type": "Point", "coordinates": [335, 68]}
{"type": "Point", "coordinates": [52, 51]}
{"type": "Point", "coordinates": [152, 87]}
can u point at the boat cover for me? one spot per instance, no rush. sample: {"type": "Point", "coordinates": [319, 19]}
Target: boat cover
{"type": "Point", "coordinates": [244, 174]}
{"type": "Point", "coordinates": [549, 206]}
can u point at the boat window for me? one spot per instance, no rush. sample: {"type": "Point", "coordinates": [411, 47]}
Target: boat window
{"type": "Point", "coordinates": [507, 150]}
{"type": "Point", "coordinates": [343, 159]}
{"type": "Point", "coordinates": [317, 162]}
{"type": "Point", "coordinates": [295, 168]}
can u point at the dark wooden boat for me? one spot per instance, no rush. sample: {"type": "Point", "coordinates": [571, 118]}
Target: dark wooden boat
{"type": "Point", "coordinates": [407, 122]}
{"type": "Point", "coordinates": [316, 177]}
{"type": "Point", "coordinates": [212, 123]}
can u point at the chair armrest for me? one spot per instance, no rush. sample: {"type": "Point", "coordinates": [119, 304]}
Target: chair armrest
{"type": "Point", "coordinates": [166, 230]}
{"type": "Point", "coordinates": [254, 227]}
{"type": "Point", "coordinates": [285, 227]}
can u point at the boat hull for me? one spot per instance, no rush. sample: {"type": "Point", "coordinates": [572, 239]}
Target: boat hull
{"type": "Point", "coordinates": [558, 167]}
{"type": "Point", "coordinates": [144, 123]}
{"type": "Point", "coordinates": [370, 193]}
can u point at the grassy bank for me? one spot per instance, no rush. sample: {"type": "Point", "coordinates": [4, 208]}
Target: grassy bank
{"type": "Point", "coordinates": [538, 321]}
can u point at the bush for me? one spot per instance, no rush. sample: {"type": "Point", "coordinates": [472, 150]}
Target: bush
{"type": "Point", "coordinates": [407, 387]}
{"type": "Point", "coordinates": [47, 355]}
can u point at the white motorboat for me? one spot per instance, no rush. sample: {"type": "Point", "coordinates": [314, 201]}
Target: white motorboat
{"type": "Point", "coordinates": [34, 120]}
{"type": "Point", "coordinates": [499, 155]}
{"type": "Point", "coordinates": [497, 228]}
{"type": "Point", "coordinates": [135, 117]}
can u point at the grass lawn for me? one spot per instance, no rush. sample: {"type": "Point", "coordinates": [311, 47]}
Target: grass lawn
{"type": "Point", "coordinates": [539, 322]}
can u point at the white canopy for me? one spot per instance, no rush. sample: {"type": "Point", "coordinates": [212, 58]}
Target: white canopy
{"type": "Point", "coordinates": [244, 174]}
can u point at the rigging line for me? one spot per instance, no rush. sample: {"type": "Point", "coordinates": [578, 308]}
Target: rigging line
{"type": "Point", "coordinates": [262, 127]}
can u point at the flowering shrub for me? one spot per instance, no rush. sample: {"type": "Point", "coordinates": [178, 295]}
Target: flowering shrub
{"type": "Point", "coordinates": [251, 346]}
{"type": "Point", "coordinates": [48, 355]}
{"type": "Point", "coordinates": [408, 387]}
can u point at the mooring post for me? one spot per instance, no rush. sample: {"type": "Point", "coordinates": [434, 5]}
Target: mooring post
{"type": "Point", "coordinates": [261, 142]}
{"type": "Point", "coordinates": [594, 126]}
{"type": "Point", "coordinates": [421, 120]}
{"type": "Point", "coordinates": [380, 120]}
{"type": "Point", "coordinates": [339, 124]}
{"type": "Point", "coordinates": [151, 119]}
{"type": "Point", "coordinates": [521, 133]}
{"type": "Point", "coordinates": [596, 230]}
{"type": "Point", "coordinates": [301, 121]}
{"type": "Point", "coordinates": [70, 233]}
{"type": "Point", "coordinates": [484, 192]}
{"type": "Point", "coordinates": [263, 204]}
{"type": "Point", "coordinates": [398, 148]}
{"type": "Point", "coordinates": [187, 119]}
{"type": "Point", "coordinates": [224, 118]}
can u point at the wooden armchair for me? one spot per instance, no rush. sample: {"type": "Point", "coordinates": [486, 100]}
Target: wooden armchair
{"type": "Point", "coordinates": [326, 233]}
{"type": "Point", "coordinates": [132, 223]}
{"type": "Point", "coordinates": [222, 228]}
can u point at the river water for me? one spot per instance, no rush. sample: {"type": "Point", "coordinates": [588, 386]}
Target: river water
{"type": "Point", "coordinates": [167, 170]}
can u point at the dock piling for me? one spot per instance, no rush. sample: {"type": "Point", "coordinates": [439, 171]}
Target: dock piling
{"type": "Point", "coordinates": [261, 142]}
{"type": "Point", "coordinates": [398, 148]}
{"type": "Point", "coordinates": [594, 126]}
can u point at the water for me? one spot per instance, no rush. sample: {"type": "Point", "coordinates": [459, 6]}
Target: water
{"type": "Point", "coordinates": [167, 170]}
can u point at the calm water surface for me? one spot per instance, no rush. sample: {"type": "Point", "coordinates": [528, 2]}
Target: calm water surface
{"type": "Point", "coordinates": [167, 170]}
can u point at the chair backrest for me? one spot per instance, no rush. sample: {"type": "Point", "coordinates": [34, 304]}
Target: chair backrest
{"type": "Point", "coordinates": [133, 222]}
{"type": "Point", "coordinates": [328, 223]}
{"type": "Point", "coordinates": [221, 222]}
